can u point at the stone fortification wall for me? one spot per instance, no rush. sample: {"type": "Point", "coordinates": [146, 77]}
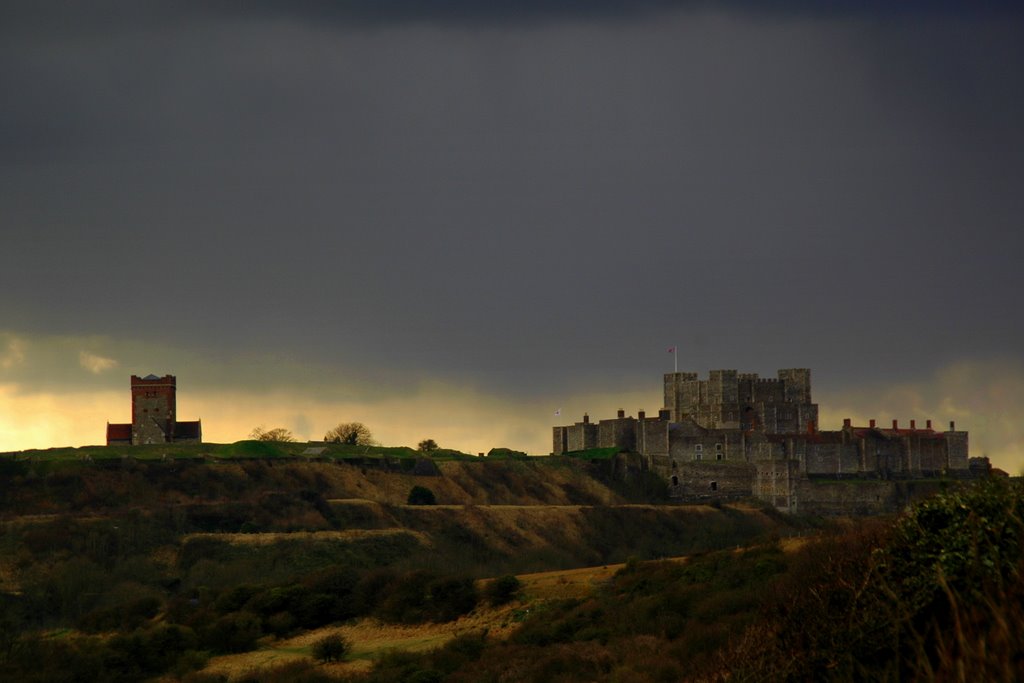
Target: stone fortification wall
{"type": "Point", "coordinates": [732, 400]}
{"type": "Point", "coordinates": [706, 481]}
{"type": "Point", "coordinates": [854, 497]}
{"type": "Point", "coordinates": [652, 434]}
{"type": "Point", "coordinates": [769, 429]}
{"type": "Point", "coordinates": [617, 433]}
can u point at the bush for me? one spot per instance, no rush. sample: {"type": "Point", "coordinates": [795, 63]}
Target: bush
{"type": "Point", "coordinates": [332, 648]}
{"type": "Point", "coordinates": [235, 632]}
{"type": "Point", "coordinates": [451, 598]}
{"type": "Point", "coordinates": [501, 590]}
{"type": "Point", "coordinates": [421, 495]}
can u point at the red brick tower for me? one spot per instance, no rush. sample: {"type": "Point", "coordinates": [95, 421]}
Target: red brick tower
{"type": "Point", "coordinates": [153, 409]}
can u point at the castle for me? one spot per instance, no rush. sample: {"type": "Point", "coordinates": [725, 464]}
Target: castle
{"type": "Point", "coordinates": [738, 435]}
{"type": "Point", "coordinates": [154, 415]}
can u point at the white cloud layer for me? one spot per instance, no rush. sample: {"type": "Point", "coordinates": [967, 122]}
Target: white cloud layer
{"type": "Point", "coordinates": [95, 364]}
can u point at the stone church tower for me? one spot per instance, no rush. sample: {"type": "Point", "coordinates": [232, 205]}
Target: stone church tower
{"type": "Point", "coordinates": [153, 408]}
{"type": "Point", "coordinates": [154, 415]}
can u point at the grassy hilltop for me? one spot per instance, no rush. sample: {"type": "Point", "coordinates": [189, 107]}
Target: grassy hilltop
{"type": "Point", "coordinates": [237, 561]}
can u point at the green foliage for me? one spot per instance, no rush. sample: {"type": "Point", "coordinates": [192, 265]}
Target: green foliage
{"type": "Point", "coordinates": [331, 648]}
{"type": "Point", "coordinates": [426, 446]}
{"type": "Point", "coordinates": [234, 632]}
{"type": "Point", "coordinates": [253, 448]}
{"type": "Point", "coordinates": [928, 597]}
{"type": "Point", "coordinates": [506, 453]}
{"type": "Point", "coordinates": [593, 454]}
{"type": "Point", "coordinates": [501, 590]}
{"type": "Point", "coordinates": [421, 495]}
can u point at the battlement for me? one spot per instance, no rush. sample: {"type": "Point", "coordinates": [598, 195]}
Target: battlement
{"type": "Point", "coordinates": [743, 400]}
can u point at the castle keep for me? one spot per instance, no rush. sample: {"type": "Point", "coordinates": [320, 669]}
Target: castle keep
{"type": "Point", "coordinates": [737, 435]}
{"type": "Point", "coordinates": [154, 415]}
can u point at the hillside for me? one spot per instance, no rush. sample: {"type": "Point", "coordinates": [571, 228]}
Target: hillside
{"type": "Point", "coordinates": [227, 549]}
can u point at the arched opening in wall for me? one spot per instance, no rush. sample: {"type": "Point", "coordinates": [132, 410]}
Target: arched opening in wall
{"type": "Point", "coordinates": [714, 486]}
{"type": "Point", "coordinates": [675, 480]}
{"type": "Point", "coordinates": [749, 419]}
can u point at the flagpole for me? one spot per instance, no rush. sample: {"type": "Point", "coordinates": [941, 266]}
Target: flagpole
{"type": "Point", "coordinates": [675, 358]}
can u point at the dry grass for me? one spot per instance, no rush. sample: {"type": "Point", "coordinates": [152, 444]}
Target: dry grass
{"type": "Point", "coordinates": [370, 637]}
{"type": "Point", "coordinates": [270, 538]}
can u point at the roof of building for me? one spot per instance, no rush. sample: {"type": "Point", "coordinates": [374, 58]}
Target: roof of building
{"type": "Point", "coordinates": [188, 430]}
{"type": "Point", "coordinates": [119, 432]}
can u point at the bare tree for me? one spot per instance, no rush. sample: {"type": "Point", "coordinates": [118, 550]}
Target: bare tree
{"type": "Point", "coordinates": [275, 434]}
{"type": "Point", "coordinates": [351, 433]}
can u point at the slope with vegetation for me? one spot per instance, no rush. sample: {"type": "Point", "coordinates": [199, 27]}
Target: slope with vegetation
{"type": "Point", "coordinates": [187, 565]}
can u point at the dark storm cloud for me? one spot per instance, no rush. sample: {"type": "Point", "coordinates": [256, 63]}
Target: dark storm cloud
{"type": "Point", "coordinates": [69, 17]}
{"type": "Point", "coordinates": [554, 200]}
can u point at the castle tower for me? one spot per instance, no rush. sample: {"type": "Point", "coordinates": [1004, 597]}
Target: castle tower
{"type": "Point", "coordinates": [153, 409]}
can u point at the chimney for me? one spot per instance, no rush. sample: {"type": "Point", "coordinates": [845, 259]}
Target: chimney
{"type": "Point", "coordinates": [895, 424]}
{"type": "Point", "coordinates": [913, 424]}
{"type": "Point", "coordinates": [952, 426]}
{"type": "Point", "coordinates": [846, 422]}
{"type": "Point", "coordinates": [928, 424]}
{"type": "Point", "coordinates": [871, 424]}
{"type": "Point", "coordinates": [586, 419]}
{"type": "Point", "coordinates": [622, 414]}
{"type": "Point", "coordinates": [640, 414]}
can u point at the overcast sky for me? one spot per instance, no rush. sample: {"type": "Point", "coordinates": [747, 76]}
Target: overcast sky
{"type": "Point", "coordinates": [450, 219]}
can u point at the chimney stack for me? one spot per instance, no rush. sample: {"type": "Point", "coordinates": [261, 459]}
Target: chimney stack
{"type": "Point", "coordinates": [895, 424]}
{"type": "Point", "coordinates": [586, 418]}
{"type": "Point", "coordinates": [928, 424]}
{"type": "Point", "coordinates": [952, 426]}
{"type": "Point", "coordinates": [640, 414]}
{"type": "Point", "coordinates": [846, 422]}
{"type": "Point", "coordinates": [622, 414]}
{"type": "Point", "coordinates": [913, 424]}
{"type": "Point", "coordinates": [871, 424]}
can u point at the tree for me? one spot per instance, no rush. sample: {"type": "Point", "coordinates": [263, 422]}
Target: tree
{"type": "Point", "coordinates": [427, 445]}
{"type": "Point", "coordinates": [351, 433]}
{"type": "Point", "coordinates": [275, 434]}
{"type": "Point", "coordinates": [421, 495]}
{"type": "Point", "coordinates": [332, 648]}
{"type": "Point", "coordinates": [502, 589]}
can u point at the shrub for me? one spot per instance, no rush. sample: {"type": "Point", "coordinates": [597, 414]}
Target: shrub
{"type": "Point", "coordinates": [421, 495]}
{"type": "Point", "coordinates": [501, 590]}
{"type": "Point", "coordinates": [332, 648]}
{"type": "Point", "coordinates": [450, 598]}
{"type": "Point", "coordinates": [235, 632]}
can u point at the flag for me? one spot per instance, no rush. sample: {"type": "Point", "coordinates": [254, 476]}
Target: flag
{"type": "Point", "coordinates": [558, 412]}
{"type": "Point", "coordinates": [671, 349]}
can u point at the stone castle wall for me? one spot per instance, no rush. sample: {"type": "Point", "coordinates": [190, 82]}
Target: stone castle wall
{"type": "Point", "coordinates": [737, 435]}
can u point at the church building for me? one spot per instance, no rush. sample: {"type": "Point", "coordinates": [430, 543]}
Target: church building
{"type": "Point", "coordinates": [154, 416]}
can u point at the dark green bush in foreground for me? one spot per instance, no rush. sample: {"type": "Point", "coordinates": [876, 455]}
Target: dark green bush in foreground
{"type": "Point", "coordinates": [332, 648]}
{"type": "Point", "coordinates": [421, 495]}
